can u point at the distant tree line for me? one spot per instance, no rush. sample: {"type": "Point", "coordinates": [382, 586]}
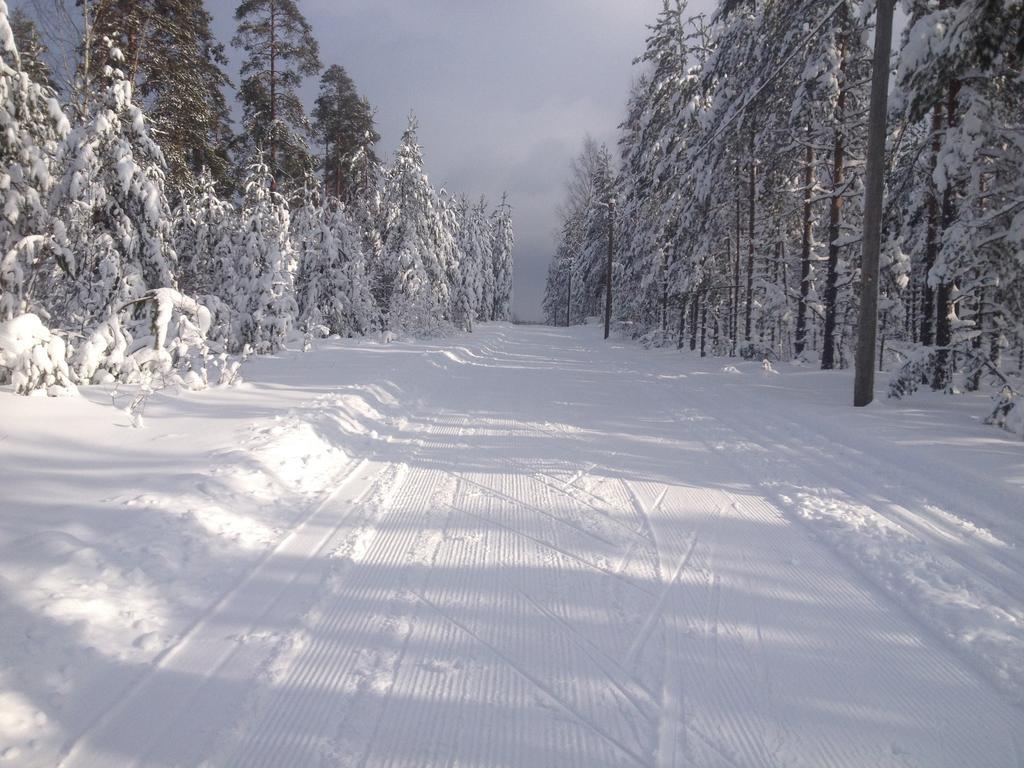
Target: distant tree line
{"type": "Point", "coordinates": [740, 189]}
{"type": "Point", "coordinates": [140, 235]}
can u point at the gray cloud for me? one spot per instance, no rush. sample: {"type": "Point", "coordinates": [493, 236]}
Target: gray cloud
{"type": "Point", "coordinates": [504, 92]}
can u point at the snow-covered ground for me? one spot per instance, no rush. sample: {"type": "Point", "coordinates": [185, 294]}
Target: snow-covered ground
{"type": "Point", "coordinates": [526, 547]}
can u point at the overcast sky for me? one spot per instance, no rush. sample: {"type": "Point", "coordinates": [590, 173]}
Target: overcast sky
{"type": "Point", "coordinates": [504, 91]}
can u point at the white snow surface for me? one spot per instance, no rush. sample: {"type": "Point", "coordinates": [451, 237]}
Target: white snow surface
{"type": "Point", "coordinates": [524, 547]}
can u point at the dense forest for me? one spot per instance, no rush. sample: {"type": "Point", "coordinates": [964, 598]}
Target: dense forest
{"type": "Point", "coordinates": [142, 235]}
{"type": "Point", "coordinates": [737, 193]}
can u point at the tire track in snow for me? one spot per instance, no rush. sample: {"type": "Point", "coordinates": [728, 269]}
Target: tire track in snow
{"type": "Point", "coordinates": [815, 576]}
{"type": "Point", "coordinates": [522, 670]}
{"type": "Point", "coordinates": [300, 722]}
{"type": "Point", "coordinates": [992, 573]}
{"type": "Point", "coordinates": [181, 669]}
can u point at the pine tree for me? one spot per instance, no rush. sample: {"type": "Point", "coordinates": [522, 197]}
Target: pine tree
{"type": "Point", "coordinates": [177, 70]}
{"type": "Point", "coordinates": [184, 81]}
{"type": "Point", "coordinates": [344, 123]}
{"type": "Point", "coordinates": [280, 51]}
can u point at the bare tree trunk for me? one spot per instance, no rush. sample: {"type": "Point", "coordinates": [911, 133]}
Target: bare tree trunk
{"type": "Point", "coordinates": [785, 339]}
{"type": "Point", "coordinates": [273, 96]}
{"type": "Point", "coordinates": [828, 352]}
{"type": "Point", "coordinates": [751, 203]}
{"type": "Point", "coordinates": [568, 299]}
{"type": "Point", "coordinates": [944, 294]}
{"type": "Point", "coordinates": [734, 330]}
{"type": "Point", "coordinates": [664, 292]}
{"type": "Point", "coordinates": [805, 251]}
{"type": "Point", "coordinates": [608, 275]}
{"type": "Point", "coordinates": [703, 327]}
{"type": "Point", "coordinates": [693, 319]}
{"type": "Point", "coordinates": [681, 337]}
{"type": "Point", "coordinates": [931, 241]}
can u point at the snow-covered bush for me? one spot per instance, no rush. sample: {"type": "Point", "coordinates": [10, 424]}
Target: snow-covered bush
{"type": "Point", "coordinates": [162, 336]}
{"type": "Point", "coordinates": [1008, 412]}
{"type": "Point", "coordinates": [33, 358]}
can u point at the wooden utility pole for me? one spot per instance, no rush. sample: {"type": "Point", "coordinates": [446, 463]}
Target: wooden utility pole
{"type": "Point", "coordinates": [864, 380]}
{"type": "Point", "coordinates": [608, 280]}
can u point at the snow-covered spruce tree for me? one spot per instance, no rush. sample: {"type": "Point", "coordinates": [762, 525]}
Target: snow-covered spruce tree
{"type": "Point", "coordinates": [476, 257]}
{"type": "Point", "coordinates": [111, 197]}
{"type": "Point", "coordinates": [32, 357]}
{"type": "Point", "coordinates": [316, 279]}
{"type": "Point", "coordinates": [450, 225]}
{"type": "Point", "coordinates": [280, 52]}
{"type": "Point", "coordinates": [582, 250]}
{"type": "Point", "coordinates": [653, 177]}
{"type": "Point", "coordinates": [411, 285]}
{"type": "Point", "coordinates": [204, 233]}
{"type": "Point", "coordinates": [332, 290]}
{"type": "Point", "coordinates": [562, 294]}
{"type": "Point", "coordinates": [360, 314]}
{"type": "Point", "coordinates": [264, 293]}
{"type": "Point", "coordinates": [553, 303]}
{"type": "Point", "coordinates": [32, 125]}
{"type": "Point", "coordinates": [502, 243]}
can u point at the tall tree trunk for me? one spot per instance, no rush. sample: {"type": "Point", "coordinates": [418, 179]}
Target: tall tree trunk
{"type": "Point", "coordinates": [734, 330]}
{"type": "Point", "coordinates": [779, 255]}
{"type": "Point", "coordinates": [944, 293]}
{"type": "Point", "coordinates": [664, 292]}
{"type": "Point", "coordinates": [681, 336]}
{"type": "Point", "coordinates": [828, 352]}
{"type": "Point", "coordinates": [703, 326]}
{"type": "Point", "coordinates": [805, 251]}
{"type": "Point", "coordinates": [568, 299]}
{"type": "Point", "coordinates": [751, 203]}
{"type": "Point", "coordinates": [273, 96]}
{"type": "Point", "coordinates": [327, 165]}
{"type": "Point", "coordinates": [931, 239]}
{"type": "Point", "coordinates": [695, 305]}
{"type": "Point", "coordinates": [608, 268]}
{"type": "Point", "coordinates": [995, 323]}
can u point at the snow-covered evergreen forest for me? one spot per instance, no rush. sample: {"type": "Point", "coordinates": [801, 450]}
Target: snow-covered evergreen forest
{"type": "Point", "coordinates": [142, 236]}
{"type": "Point", "coordinates": [739, 179]}
{"type": "Point", "coordinates": [317, 501]}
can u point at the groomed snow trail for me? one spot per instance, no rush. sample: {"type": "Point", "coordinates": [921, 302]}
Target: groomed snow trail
{"type": "Point", "coordinates": [570, 555]}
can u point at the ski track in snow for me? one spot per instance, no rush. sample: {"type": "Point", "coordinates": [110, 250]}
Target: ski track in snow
{"type": "Point", "coordinates": [560, 556]}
